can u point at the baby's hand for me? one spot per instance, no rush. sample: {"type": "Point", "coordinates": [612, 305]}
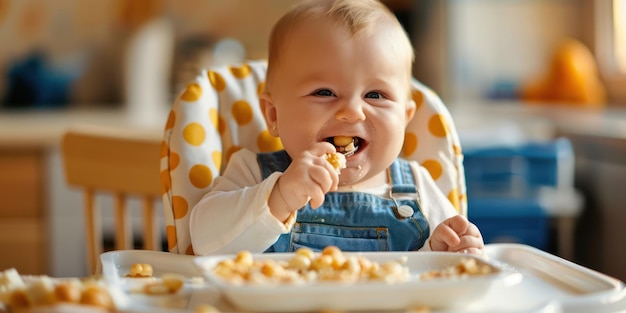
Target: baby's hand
{"type": "Point", "coordinates": [457, 234]}
{"type": "Point", "coordinates": [309, 177]}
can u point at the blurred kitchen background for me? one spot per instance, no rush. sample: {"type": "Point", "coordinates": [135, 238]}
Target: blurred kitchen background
{"type": "Point", "coordinates": [537, 89]}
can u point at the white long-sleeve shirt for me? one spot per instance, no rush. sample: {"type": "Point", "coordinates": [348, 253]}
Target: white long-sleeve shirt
{"type": "Point", "coordinates": [234, 215]}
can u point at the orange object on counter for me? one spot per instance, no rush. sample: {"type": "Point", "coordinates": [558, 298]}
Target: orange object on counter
{"type": "Point", "coordinates": [571, 79]}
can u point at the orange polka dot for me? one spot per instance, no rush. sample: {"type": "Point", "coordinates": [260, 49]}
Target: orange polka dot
{"type": "Point", "coordinates": [457, 149]}
{"type": "Point", "coordinates": [241, 72]}
{"type": "Point", "coordinates": [217, 159]}
{"type": "Point", "coordinates": [174, 160]}
{"type": "Point", "coordinates": [170, 230]}
{"type": "Point", "coordinates": [166, 183]}
{"type": "Point", "coordinates": [192, 92]}
{"type": "Point", "coordinates": [410, 144]}
{"type": "Point", "coordinates": [180, 207]}
{"type": "Point", "coordinates": [437, 126]}
{"type": "Point", "coordinates": [200, 176]}
{"type": "Point", "coordinates": [221, 125]}
{"type": "Point", "coordinates": [189, 250]}
{"type": "Point", "coordinates": [164, 149]}
{"type": "Point", "coordinates": [170, 120]}
{"type": "Point", "coordinates": [268, 143]}
{"type": "Point", "coordinates": [418, 97]}
{"type": "Point", "coordinates": [242, 112]}
{"type": "Point", "coordinates": [434, 168]}
{"type": "Point", "coordinates": [260, 88]}
{"type": "Point", "coordinates": [214, 118]}
{"type": "Point", "coordinates": [463, 199]}
{"type": "Point", "coordinates": [453, 197]}
{"type": "Point", "coordinates": [230, 152]}
{"type": "Point", "coordinates": [217, 81]}
{"type": "Point", "coordinates": [194, 134]}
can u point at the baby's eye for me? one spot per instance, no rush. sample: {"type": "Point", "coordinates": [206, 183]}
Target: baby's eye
{"type": "Point", "coordinates": [373, 95]}
{"type": "Point", "coordinates": [323, 93]}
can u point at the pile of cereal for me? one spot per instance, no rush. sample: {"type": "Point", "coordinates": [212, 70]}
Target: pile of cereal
{"type": "Point", "coordinates": [465, 267]}
{"type": "Point", "coordinates": [306, 266]}
{"type": "Point", "coordinates": [36, 291]}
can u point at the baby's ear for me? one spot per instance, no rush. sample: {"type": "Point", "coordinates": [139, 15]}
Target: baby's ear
{"type": "Point", "coordinates": [411, 107]}
{"type": "Point", "coordinates": [269, 113]}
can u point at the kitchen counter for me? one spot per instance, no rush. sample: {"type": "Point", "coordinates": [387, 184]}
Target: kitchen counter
{"type": "Point", "coordinates": [45, 128]}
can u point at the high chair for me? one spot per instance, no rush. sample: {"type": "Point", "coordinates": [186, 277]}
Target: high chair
{"type": "Point", "coordinates": [219, 113]}
{"type": "Point", "coordinates": [104, 161]}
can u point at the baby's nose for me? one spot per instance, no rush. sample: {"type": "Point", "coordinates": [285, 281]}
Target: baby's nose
{"type": "Point", "coordinates": [351, 110]}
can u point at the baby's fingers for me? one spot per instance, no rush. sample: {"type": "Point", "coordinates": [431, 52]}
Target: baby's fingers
{"type": "Point", "coordinates": [444, 237]}
{"type": "Point", "coordinates": [468, 244]}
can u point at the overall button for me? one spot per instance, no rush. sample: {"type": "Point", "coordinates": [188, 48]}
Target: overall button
{"type": "Point", "coordinates": [405, 210]}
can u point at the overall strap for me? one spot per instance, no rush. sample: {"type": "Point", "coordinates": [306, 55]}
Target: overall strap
{"type": "Point", "coordinates": [271, 162]}
{"type": "Point", "coordinates": [402, 180]}
{"type": "Point", "coordinates": [403, 183]}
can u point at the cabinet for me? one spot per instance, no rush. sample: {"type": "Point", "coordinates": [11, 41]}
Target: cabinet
{"type": "Point", "coordinates": [23, 223]}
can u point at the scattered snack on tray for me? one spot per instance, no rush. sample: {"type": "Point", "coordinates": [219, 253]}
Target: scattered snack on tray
{"type": "Point", "coordinates": [465, 267]}
{"type": "Point", "coordinates": [206, 308]}
{"type": "Point", "coordinates": [331, 264]}
{"type": "Point", "coordinates": [168, 284]}
{"type": "Point", "coordinates": [140, 270]}
{"type": "Point", "coordinates": [418, 309]}
{"type": "Point", "coordinates": [17, 293]}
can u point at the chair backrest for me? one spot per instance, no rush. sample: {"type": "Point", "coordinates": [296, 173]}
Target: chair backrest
{"type": "Point", "coordinates": [106, 161]}
{"type": "Point", "coordinates": [219, 113]}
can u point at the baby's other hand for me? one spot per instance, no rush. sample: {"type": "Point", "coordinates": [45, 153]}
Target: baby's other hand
{"type": "Point", "coordinates": [457, 234]}
{"type": "Point", "coordinates": [309, 177]}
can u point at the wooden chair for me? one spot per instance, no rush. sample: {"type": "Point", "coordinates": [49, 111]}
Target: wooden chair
{"type": "Point", "coordinates": [105, 161]}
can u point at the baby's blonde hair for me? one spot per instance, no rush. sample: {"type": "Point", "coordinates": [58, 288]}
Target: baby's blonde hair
{"type": "Point", "coordinates": [359, 17]}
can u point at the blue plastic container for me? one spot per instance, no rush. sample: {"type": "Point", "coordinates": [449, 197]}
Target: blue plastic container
{"type": "Point", "coordinates": [511, 220]}
{"type": "Point", "coordinates": [502, 184]}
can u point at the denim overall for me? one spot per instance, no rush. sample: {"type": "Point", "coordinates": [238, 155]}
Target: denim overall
{"type": "Point", "coordinates": [354, 221]}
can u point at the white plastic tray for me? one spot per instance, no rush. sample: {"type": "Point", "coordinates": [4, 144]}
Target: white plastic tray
{"type": "Point", "coordinates": [125, 291]}
{"type": "Point", "coordinates": [373, 295]}
{"type": "Point", "coordinates": [550, 284]}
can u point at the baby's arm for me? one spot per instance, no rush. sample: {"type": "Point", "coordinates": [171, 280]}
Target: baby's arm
{"type": "Point", "coordinates": [234, 214]}
{"type": "Point", "coordinates": [449, 230]}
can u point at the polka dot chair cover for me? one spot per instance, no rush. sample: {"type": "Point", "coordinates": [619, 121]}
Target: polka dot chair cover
{"type": "Point", "coordinates": [218, 113]}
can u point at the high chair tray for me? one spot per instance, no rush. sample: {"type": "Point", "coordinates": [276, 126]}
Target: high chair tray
{"type": "Point", "coordinates": [548, 284]}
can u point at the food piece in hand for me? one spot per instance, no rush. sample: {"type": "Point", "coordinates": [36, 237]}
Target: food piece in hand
{"type": "Point", "coordinates": [337, 160]}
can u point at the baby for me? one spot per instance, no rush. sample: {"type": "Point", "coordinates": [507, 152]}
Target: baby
{"type": "Point", "coordinates": [338, 81]}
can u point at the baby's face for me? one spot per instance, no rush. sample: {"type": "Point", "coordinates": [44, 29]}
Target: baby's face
{"type": "Point", "coordinates": [329, 84]}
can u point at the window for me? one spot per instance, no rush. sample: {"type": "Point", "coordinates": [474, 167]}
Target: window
{"type": "Point", "coordinates": [610, 47]}
{"type": "Point", "coordinates": [619, 34]}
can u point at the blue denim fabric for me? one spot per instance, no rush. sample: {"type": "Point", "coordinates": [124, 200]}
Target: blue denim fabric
{"type": "Point", "coordinates": [354, 221]}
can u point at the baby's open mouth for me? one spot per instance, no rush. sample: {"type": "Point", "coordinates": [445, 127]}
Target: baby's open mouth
{"type": "Point", "coordinates": [346, 145]}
